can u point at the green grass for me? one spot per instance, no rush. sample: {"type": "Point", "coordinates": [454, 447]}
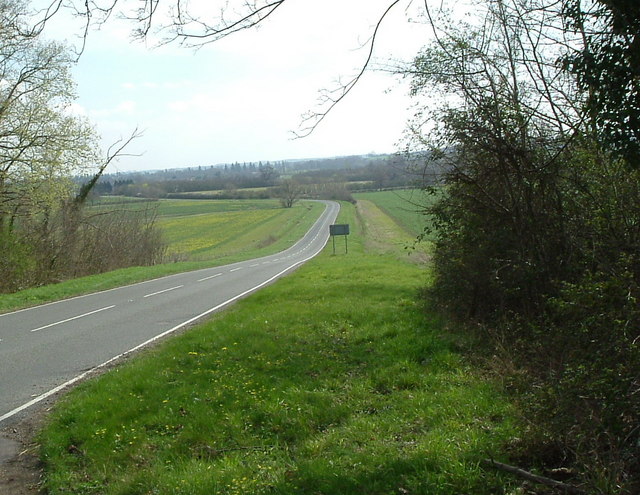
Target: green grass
{"type": "Point", "coordinates": [403, 206]}
{"type": "Point", "coordinates": [392, 219]}
{"type": "Point", "coordinates": [186, 207]}
{"type": "Point", "coordinates": [331, 381]}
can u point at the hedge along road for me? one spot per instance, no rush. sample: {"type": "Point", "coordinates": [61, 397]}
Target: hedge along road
{"type": "Point", "coordinates": [50, 347]}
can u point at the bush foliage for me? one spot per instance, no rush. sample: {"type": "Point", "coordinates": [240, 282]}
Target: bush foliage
{"type": "Point", "coordinates": [538, 236]}
{"type": "Point", "coordinates": [72, 242]}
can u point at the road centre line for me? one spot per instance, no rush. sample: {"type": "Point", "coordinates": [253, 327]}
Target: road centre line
{"type": "Point", "coordinates": [209, 277]}
{"type": "Point", "coordinates": [73, 318]}
{"type": "Point", "coordinates": [236, 269]}
{"type": "Point", "coordinates": [165, 290]}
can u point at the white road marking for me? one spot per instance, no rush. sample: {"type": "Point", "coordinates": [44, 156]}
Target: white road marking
{"type": "Point", "coordinates": [31, 308]}
{"type": "Point", "coordinates": [165, 290]}
{"type": "Point", "coordinates": [236, 269]}
{"type": "Point", "coordinates": [73, 318]}
{"type": "Point", "coordinates": [212, 276]}
{"type": "Point", "coordinates": [151, 340]}
{"type": "Point", "coordinates": [144, 344]}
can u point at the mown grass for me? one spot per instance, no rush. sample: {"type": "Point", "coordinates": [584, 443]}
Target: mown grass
{"type": "Point", "coordinates": [331, 381]}
{"type": "Point", "coordinates": [404, 206]}
{"type": "Point", "coordinates": [199, 234]}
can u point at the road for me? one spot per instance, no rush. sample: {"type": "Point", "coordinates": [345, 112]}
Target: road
{"type": "Point", "coordinates": [48, 348]}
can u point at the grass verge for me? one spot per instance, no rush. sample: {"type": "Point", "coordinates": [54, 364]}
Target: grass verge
{"type": "Point", "coordinates": [332, 381]}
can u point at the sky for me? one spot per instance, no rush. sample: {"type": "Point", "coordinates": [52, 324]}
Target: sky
{"type": "Point", "coordinates": [239, 99]}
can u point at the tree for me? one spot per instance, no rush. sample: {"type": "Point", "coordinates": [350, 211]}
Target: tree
{"type": "Point", "coordinates": [289, 192]}
{"type": "Point", "coordinates": [268, 174]}
{"type": "Point", "coordinates": [608, 68]}
{"type": "Point", "coordinates": [42, 144]}
{"type": "Point", "coordinates": [538, 225]}
{"type": "Point", "coordinates": [45, 233]}
{"type": "Point", "coordinates": [507, 114]}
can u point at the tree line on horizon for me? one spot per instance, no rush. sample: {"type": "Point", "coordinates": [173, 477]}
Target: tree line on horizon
{"type": "Point", "coordinates": [353, 173]}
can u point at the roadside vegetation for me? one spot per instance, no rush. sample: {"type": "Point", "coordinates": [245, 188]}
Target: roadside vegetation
{"type": "Point", "coordinates": [333, 380]}
{"type": "Point", "coordinates": [527, 126]}
{"type": "Point", "coordinates": [537, 230]}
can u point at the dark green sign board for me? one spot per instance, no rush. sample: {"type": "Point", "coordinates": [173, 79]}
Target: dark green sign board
{"type": "Point", "coordinates": [339, 229]}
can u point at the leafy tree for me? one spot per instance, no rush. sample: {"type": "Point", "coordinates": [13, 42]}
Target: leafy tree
{"type": "Point", "coordinates": [537, 228]}
{"type": "Point", "coordinates": [608, 69]}
{"type": "Point", "coordinates": [44, 232]}
{"type": "Point", "coordinates": [42, 144]}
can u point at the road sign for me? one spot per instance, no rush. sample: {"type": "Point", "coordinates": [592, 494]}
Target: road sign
{"type": "Point", "coordinates": [339, 229]}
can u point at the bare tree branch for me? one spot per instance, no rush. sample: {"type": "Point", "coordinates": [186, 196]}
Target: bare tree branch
{"type": "Point", "coordinates": [312, 119]}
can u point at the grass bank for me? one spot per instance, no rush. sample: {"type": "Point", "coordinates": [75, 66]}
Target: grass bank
{"type": "Point", "coordinates": [331, 381]}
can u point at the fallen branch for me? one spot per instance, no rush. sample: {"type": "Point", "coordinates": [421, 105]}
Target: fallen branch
{"type": "Point", "coordinates": [536, 478]}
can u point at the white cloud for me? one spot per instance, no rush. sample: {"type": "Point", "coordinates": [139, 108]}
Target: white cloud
{"type": "Point", "coordinates": [122, 109]}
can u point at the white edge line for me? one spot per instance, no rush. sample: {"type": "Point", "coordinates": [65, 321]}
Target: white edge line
{"type": "Point", "coordinates": [68, 383]}
{"type": "Point", "coordinates": [72, 318]}
{"type": "Point", "coordinates": [164, 290]}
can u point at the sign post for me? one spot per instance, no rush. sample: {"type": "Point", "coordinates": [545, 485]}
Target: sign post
{"type": "Point", "coordinates": [339, 229]}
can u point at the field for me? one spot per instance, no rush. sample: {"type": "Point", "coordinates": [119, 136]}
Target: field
{"type": "Point", "coordinates": [392, 222]}
{"type": "Point", "coordinates": [331, 381]}
{"type": "Point", "coordinates": [217, 229]}
{"type": "Point", "coordinates": [404, 206]}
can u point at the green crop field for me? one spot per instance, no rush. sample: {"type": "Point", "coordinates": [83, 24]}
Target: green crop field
{"type": "Point", "coordinates": [202, 230]}
{"type": "Point", "coordinates": [187, 207]}
{"type": "Point", "coordinates": [403, 206]}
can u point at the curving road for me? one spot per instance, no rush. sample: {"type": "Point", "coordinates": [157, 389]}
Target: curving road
{"type": "Point", "coordinates": [47, 348]}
